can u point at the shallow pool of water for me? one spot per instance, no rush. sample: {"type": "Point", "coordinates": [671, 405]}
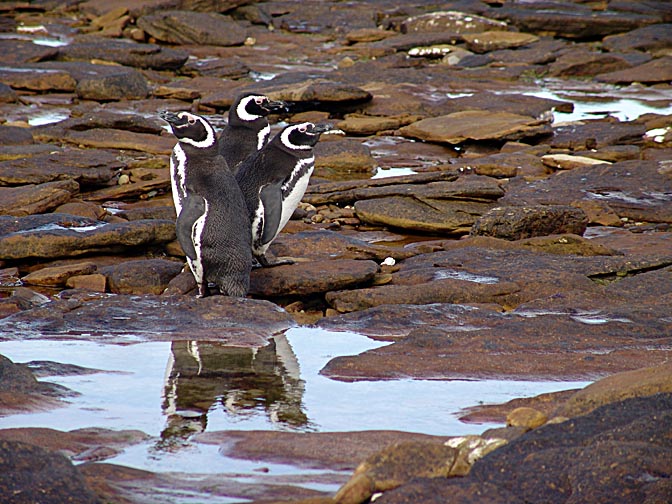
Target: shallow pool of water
{"type": "Point", "coordinates": [177, 389]}
{"type": "Point", "coordinates": [626, 104]}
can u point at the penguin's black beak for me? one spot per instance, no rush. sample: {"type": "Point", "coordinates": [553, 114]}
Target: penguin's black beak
{"type": "Point", "coordinates": [276, 106]}
{"type": "Point", "coordinates": [327, 129]}
{"type": "Point", "coordinates": [172, 118]}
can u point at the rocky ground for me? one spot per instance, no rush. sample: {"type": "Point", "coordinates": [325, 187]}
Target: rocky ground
{"type": "Point", "coordinates": [507, 245]}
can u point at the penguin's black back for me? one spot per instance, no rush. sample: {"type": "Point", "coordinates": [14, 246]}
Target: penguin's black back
{"type": "Point", "coordinates": [226, 237]}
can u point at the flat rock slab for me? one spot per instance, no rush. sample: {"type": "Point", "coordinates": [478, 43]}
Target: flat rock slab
{"type": "Point", "coordinates": [574, 21]}
{"type": "Point", "coordinates": [80, 444]}
{"type": "Point", "coordinates": [481, 275]}
{"type": "Point", "coordinates": [324, 244]}
{"type": "Point", "coordinates": [636, 190]}
{"type": "Point", "coordinates": [596, 134]}
{"type": "Point", "coordinates": [311, 277]}
{"type": "Point", "coordinates": [123, 319]}
{"type": "Point", "coordinates": [444, 184]}
{"type": "Point", "coordinates": [124, 52]}
{"type": "Point", "coordinates": [422, 214]}
{"type": "Point", "coordinates": [476, 345]}
{"type": "Point", "coordinates": [316, 450]}
{"type": "Point", "coordinates": [84, 166]}
{"type": "Point", "coordinates": [64, 242]}
{"type": "Point", "coordinates": [657, 70]}
{"type": "Point", "coordinates": [31, 199]}
{"type": "Point", "coordinates": [516, 223]}
{"type": "Point", "coordinates": [647, 38]}
{"type": "Point", "coordinates": [459, 127]}
{"type": "Point", "coordinates": [187, 27]}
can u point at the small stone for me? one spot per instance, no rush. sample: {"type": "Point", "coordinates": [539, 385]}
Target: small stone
{"type": "Point", "coordinates": [528, 418]}
{"type": "Point", "coordinates": [569, 162]}
{"type": "Point", "coordinates": [496, 40]}
{"type": "Point", "coordinates": [95, 282]}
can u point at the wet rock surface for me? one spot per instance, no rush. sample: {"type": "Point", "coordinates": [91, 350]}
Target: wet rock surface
{"type": "Point", "coordinates": [509, 245]}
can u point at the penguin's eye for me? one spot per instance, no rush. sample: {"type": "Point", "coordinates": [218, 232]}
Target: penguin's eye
{"type": "Point", "coordinates": [303, 129]}
{"type": "Point", "coordinates": [259, 100]}
{"type": "Point", "coordinates": [192, 120]}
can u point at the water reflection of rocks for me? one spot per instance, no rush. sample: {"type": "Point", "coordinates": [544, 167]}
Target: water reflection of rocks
{"type": "Point", "coordinates": [205, 377]}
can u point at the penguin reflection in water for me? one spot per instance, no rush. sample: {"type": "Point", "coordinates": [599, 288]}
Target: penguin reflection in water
{"type": "Point", "coordinates": [274, 180]}
{"type": "Point", "coordinates": [247, 130]}
{"type": "Point", "coordinates": [212, 225]}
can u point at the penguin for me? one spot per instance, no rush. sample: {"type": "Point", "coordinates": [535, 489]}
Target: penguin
{"type": "Point", "coordinates": [247, 130]}
{"type": "Point", "coordinates": [274, 179]}
{"type": "Point", "coordinates": [213, 225]}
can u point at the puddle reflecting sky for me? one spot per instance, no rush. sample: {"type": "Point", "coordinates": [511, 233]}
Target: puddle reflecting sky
{"type": "Point", "coordinates": [174, 390]}
{"type": "Point", "coordinates": [179, 388]}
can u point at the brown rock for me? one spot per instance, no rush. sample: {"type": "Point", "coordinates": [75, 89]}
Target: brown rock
{"type": "Point", "coordinates": [617, 387]}
{"type": "Point", "coordinates": [343, 156]}
{"type": "Point", "coordinates": [496, 40]}
{"type": "Point", "coordinates": [32, 199]}
{"type": "Point", "coordinates": [650, 38]}
{"type": "Point", "coordinates": [323, 244]}
{"type": "Point", "coordinates": [587, 63]}
{"type": "Point", "coordinates": [421, 214]}
{"type": "Point", "coordinates": [68, 242]}
{"type": "Point", "coordinates": [358, 124]}
{"type": "Point", "coordinates": [149, 276]}
{"type": "Point", "coordinates": [36, 80]}
{"type": "Point", "coordinates": [14, 135]}
{"type": "Point", "coordinates": [446, 290]}
{"type": "Point", "coordinates": [102, 138]}
{"type": "Point", "coordinates": [239, 322]}
{"type": "Point", "coordinates": [319, 90]}
{"type": "Point", "coordinates": [124, 52]}
{"type": "Point", "coordinates": [475, 125]}
{"type": "Point", "coordinates": [187, 27]}
{"type": "Point", "coordinates": [87, 167]}
{"type": "Point", "coordinates": [637, 198]}
{"type": "Point", "coordinates": [515, 223]}
{"type": "Point", "coordinates": [575, 21]}
{"type": "Point", "coordinates": [569, 162]}
{"type": "Point", "coordinates": [450, 21]}
{"type": "Point", "coordinates": [528, 418]}
{"type": "Point", "coordinates": [75, 443]}
{"type": "Point", "coordinates": [311, 277]}
{"type": "Point", "coordinates": [394, 466]}
{"type": "Point", "coordinates": [96, 282]}
{"type": "Point", "coordinates": [58, 275]}
{"type": "Point", "coordinates": [435, 185]}
{"type": "Point", "coordinates": [31, 474]}
{"type": "Point", "coordinates": [82, 209]}
{"type": "Point", "coordinates": [115, 83]}
{"type": "Point", "coordinates": [658, 70]}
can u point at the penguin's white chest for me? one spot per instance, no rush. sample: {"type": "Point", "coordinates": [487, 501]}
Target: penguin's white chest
{"type": "Point", "coordinates": [294, 188]}
{"type": "Point", "coordinates": [178, 173]}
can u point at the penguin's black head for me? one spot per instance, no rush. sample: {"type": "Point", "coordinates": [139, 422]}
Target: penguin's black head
{"type": "Point", "coordinates": [191, 129]}
{"type": "Point", "coordinates": [249, 107]}
{"type": "Point", "coordinates": [303, 136]}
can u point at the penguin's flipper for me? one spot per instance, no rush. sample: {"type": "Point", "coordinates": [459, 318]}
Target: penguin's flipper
{"type": "Point", "coordinates": [271, 197]}
{"type": "Point", "coordinates": [193, 207]}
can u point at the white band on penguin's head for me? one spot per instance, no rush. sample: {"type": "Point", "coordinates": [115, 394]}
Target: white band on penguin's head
{"type": "Point", "coordinates": [241, 109]}
{"type": "Point", "coordinates": [303, 128]}
{"type": "Point", "coordinates": [210, 138]}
